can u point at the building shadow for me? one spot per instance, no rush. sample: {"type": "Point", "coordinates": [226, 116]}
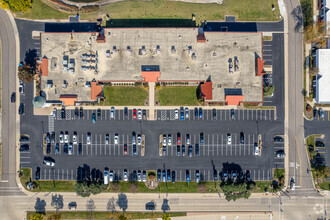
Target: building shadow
{"type": "Point", "coordinates": [150, 23]}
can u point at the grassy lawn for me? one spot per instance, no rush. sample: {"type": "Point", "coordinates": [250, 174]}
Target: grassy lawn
{"type": "Point", "coordinates": [108, 215]}
{"type": "Point", "coordinates": [310, 140]}
{"type": "Point", "coordinates": [261, 186]}
{"type": "Point", "coordinates": [248, 10]}
{"type": "Point", "coordinates": [325, 185]}
{"type": "Point", "coordinates": [177, 95]}
{"type": "Point", "coordinates": [46, 186]}
{"type": "Point", "coordinates": [42, 11]}
{"type": "Point", "coordinates": [125, 96]}
{"type": "Point", "coordinates": [278, 173]}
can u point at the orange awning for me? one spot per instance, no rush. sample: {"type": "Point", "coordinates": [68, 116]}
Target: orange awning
{"type": "Point", "coordinates": [234, 99]}
{"type": "Point", "coordinates": [150, 76]}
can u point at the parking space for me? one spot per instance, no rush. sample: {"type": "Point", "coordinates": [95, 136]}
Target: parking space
{"type": "Point", "coordinates": [326, 116]}
{"type": "Point", "coordinates": [268, 52]}
{"type": "Point", "coordinates": [98, 146]}
{"type": "Point", "coordinates": [180, 174]}
{"type": "Point", "coordinates": [239, 114]}
{"type": "Point", "coordinates": [105, 114]}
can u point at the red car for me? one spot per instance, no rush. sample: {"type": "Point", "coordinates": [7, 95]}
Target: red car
{"type": "Point", "coordinates": [125, 149]}
{"type": "Point", "coordinates": [134, 113]}
{"type": "Point", "coordinates": [179, 139]}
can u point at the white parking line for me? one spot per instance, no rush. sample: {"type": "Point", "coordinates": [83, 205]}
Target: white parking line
{"type": "Point", "coordinates": [222, 144]}
{"type": "Point", "coordinates": [258, 174]}
{"type": "Point", "coordinates": [101, 144]}
{"type": "Point", "coordinates": [58, 174]}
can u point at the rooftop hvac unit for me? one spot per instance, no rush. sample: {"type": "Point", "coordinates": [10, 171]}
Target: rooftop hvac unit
{"type": "Point", "coordinates": [173, 50]}
{"type": "Point", "coordinates": [114, 50]}
{"type": "Point", "coordinates": [193, 57]}
{"type": "Point", "coordinates": [158, 49]}
{"type": "Point", "coordinates": [128, 50]}
{"type": "Point", "coordinates": [108, 53]}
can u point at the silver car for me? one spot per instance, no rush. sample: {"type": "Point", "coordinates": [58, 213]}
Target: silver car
{"type": "Point", "coordinates": [125, 175]}
{"type": "Point", "coordinates": [88, 138]}
{"type": "Point", "coordinates": [139, 139]}
{"type": "Point", "coordinates": [61, 137]}
{"type": "Point", "coordinates": [112, 112]}
{"type": "Point", "coordinates": [139, 114]}
{"type": "Point", "coordinates": [74, 138]}
{"type": "Point", "coordinates": [70, 149]}
{"type": "Point", "coordinates": [66, 137]}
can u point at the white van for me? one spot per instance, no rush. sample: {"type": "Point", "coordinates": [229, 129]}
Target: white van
{"type": "Point", "coordinates": [106, 177]}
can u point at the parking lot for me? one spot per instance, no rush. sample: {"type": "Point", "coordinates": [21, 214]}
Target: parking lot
{"type": "Point", "coordinates": [240, 114]}
{"type": "Point", "coordinates": [325, 118]}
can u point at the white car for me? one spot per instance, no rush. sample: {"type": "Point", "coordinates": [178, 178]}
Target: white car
{"type": "Point", "coordinates": [256, 149]}
{"type": "Point", "coordinates": [107, 139]}
{"type": "Point", "coordinates": [112, 112]}
{"type": "Point", "coordinates": [111, 176]}
{"type": "Point", "coordinates": [133, 139]}
{"type": "Point", "coordinates": [49, 163]}
{"type": "Point", "coordinates": [169, 140]}
{"type": "Point", "coordinates": [139, 114]}
{"type": "Point", "coordinates": [66, 137]}
{"type": "Point", "coordinates": [144, 176]}
{"type": "Point", "coordinates": [176, 114]}
{"type": "Point", "coordinates": [116, 139]}
{"type": "Point", "coordinates": [61, 137]}
{"type": "Point", "coordinates": [54, 112]}
{"type": "Point", "coordinates": [139, 176]}
{"type": "Point", "coordinates": [21, 88]}
{"type": "Point", "coordinates": [187, 112]}
{"type": "Point", "coordinates": [187, 139]}
{"type": "Point", "coordinates": [139, 139]}
{"type": "Point", "coordinates": [125, 175]}
{"type": "Point", "coordinates": [228, 139]}
{"type": "Point", "coordinates": [88, 138]}
{"type": "Point", "coordinates": [74, 138]}
{"type": "Point", "coordinates": [164, 140]}
{"type": "Point", "coordinates": [70, 149]}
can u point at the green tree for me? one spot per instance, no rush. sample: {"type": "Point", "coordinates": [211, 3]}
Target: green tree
{"type": "Point", "coordinates": [321, 172]}
{"type": "Point", "coordinates": [82, 189]}
{"type": "Point", "coordinates": [36, 216]}
{"type": "Point", "coordinates": [307, 10]}
{"type": "Point", "coordinates": [235, 191]}
{"type": "Point", "coordinates": [17, 5]}
{"type": "Point", "coordinates": [122, 217]}
{"type": "Point", "coordinates": [25, 73]}
{"type": "Point", "coordinates": [268, 90]}
{"type": "Point", "coordinates": [166, 217]}
{"type": "Point", "coordinates": [95, 188]}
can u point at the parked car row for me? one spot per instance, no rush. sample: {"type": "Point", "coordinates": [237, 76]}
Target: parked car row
{"type": "Point", "coordinates": [140, 176]}
{"type": "Point", "coordinates": [318, 113]}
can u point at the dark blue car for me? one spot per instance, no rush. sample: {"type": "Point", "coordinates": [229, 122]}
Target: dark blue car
{"type": "Point", "coordinates": [134, 149]}
{"type": "Point", "coordinates": [200, 113]}
{"type": "Point", "coordinates": [196, 112]}
{"type": "Point", "coordinates": [182, 116]}
{"type": "Point", "coordinates": [187, 176]}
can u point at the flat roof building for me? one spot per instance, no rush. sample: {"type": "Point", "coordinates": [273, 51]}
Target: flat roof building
{"type": "Point", "coordinates": [323, 77]}
{"type": "Point", "coordinates": [227, 64]}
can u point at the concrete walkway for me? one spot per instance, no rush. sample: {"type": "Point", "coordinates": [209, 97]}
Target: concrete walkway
{"type": "Point", "coordinates": [307, 49]}
{"type": "Point", "coordinates": [152, 101]}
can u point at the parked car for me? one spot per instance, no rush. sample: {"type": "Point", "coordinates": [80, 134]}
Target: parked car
{"type": "Point", "coordinates": [164, 140]}
{"type": "Point", "coordinates": [65, 148]}
{"type": "Point", "coordinates": [47, 138]}
{"type": "Point", "coordinates": [93, 118]}
{"type": "Point", "coordinates": [256, 149]}
{"type": "Point", "coordinates": [98, 113]}
{"type": "Point", "coordinates": [196, 150]}
{"type": "Point", "coordinates": [81, 114]}
{"type": "Point", "coordinates": [134, 176]}
{"type": "Point", "coordinates": [178, 139]}
{"type": "Point", "coordinates": [106, 177]}
{"type": "Point", "coordinates": [173, 176]}
{"type": "Point", "coordinates": [125, 175]}
{"type": "Point", "coordinates": [49, 162]}
{"type": "Point", "coordinates": [183, 150]}
{"type": "Point", "coordinates": [66, 137]}
{"type": "Point", "coordinates": [111, 177]}
{"type": "Point", "coordinates": [187, 112]}
{"type": "Point", "coordinates": [319, 144]}
{"type": "Point", "coordinates": [21, 109]}
{"type": "Point", "coordinates": [144, 114]}
{"type": "Point", "coordinates": [63, 113]}
{"type": "Point", "coordinates": [24, 147]}
{"type": "Point", "coordinates": [107, 139]}
{"type": "Point", "coordinates": [224, 175]}
{"type": "Point", "coordinates": [169, 140]}
{"type": "Point", "coordinates": [200, 113]}
{"type": "Point", "coordinates": [278, 139]}
{"type": "Point", "coordinates": [242, 137]}
{"type": "Point", "coordinates": [76, 111]}
{"type": "Point", "coordinates": [139, 139]}
{"type": "Point", "coordinates": [139, 113]}
{"type": "Point", "coordinates": [116, 139]}
{"type": "Point", "coordinates": [54, 112]}
{"type": "Point", "coordinates": [187, 176]}
{"type": "Point", "coordinates": [112, 113]}
{"type": "Point", "coordinates": [133, 138]}
{"type": "Point", "coordinates": [292, 184]}
{"type": "Point", "coordinates": [201, 138]}
{"type": "Point", "coordinates": [57, 148]}
{"type": "Point", "coordinates": [21, 88]}
{"type": "Point", "coordinates": [187, 139]}
{"type": "Point", "coordinates": [316, 113]}
{"type": "Point", "coordinates": [134, 149]}
{"type": "Point", "coordinates": [197, 176]}
{"type": "Point", "coordinates": [190, 151]}
{"type": "Point", "coordinates": [80, 148]}
{"type": "Point", "coordinates": [214, 113]}
{"type": "Point", "coordinates": [88, 138]}
{"type": "Point", "coordinates": [321, 113]}
{"type": "Point", "coordinates": [52, 138]}
{"type": "Point", "coordinates": [232, 112]}
{"type": "Point", "coordinates": [72, 205]}
{"type": "Point", "coordinates": [164, 150]}
{"type": "Point", "coordinates": [176, 114]}
{"type": "Point", "coordinates": [134, 113]}
{"type": "Point", "coordinates": [280, 154]}
{"type": "Point", "coordinates": [159, 175]}
{"type": "Point", "coordinates": [215, 175]}
{"type": "Point", "coordinates": [126, 112]}
{"type": "Point", "coordinates": [70, 149]}
{"type": "Point", "coordinates": [164, 176]}
{"type": "Point", "coordinates": [48, 148]}
{"type": "Point", "coordinates": [125, 149]}
{"type": "Point", "coordinates": [178, 151]}
{"type": "Point", "coordinates": [168, 175]}
{"type": "Point", "coordinates": [38, 173]}
{"type": "Point", "coordinates": [196, 112]}
{"type": "Point", "coordinates": [229, 139]}
{"type": "Point", "coordinates": [75, 138]}
{"type": "Point", "coordinates": [144, 176]}
{"type": "Point", "coordinates": [139, 178]}
{"type": "Point", "coordinates": [182, 116]}
{"type": "Point", "coordinates": [13, 97]}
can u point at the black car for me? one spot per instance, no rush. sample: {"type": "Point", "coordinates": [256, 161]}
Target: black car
{"type": "Point", "coordinates": [126, 112]}
{"type": "Point", "coordinates": [183, 150]}
{"type": "Point", "coordinates": [316, 113]}
{"type": "Point", "coordinates": [196, 150]}
{"type": "Point", "coordinates": [21, 109]}
{"type": "Point", "coordinates": [52, 138]}
{"type": "Point", "coordinates": [81, 112]}
{"type": "Point", "coordinates": [98, 113]}
{"type": "Point", "coordinates": [201, 138]}
{"type": "Point", "coordinates": [242, 137]}
{"type": "Point", "coordinates": [196, 112]}
{"type": "Point", "coordinates": [168, 175]}
{"type": "Point", "coordinates": [190, 151]}
{"type": "Point", "coordinates": [144, 114]}
{"type": "Point", "coordinates": [278, 139]}
{"type": "Point", "coordinates": [24, 147]}
{"type": "Point", "coordinates": [159, 175]}
{"type": "Point", "coordinates": [13, 97]}
{"type": "Point", "coordinates": [79, 148]}
{"type": "Point", "coordinates": [134, 176]}
{"type": "Point", "coordinates": [173, 176]}
{"type": "Point", "coordinates": [319, 144]}
{"type": "Point", "coordinates": [65, 148]}
{"type": "Point", "coordinates": [48, 149]}
{"type": "Point", "coordinates": [38, 173]}
{"type": "Point", "coordinates": [62, 113]}
{"type": "Point", "coordinates": [178, 153]}
{"type": "Point", "coordinates": [134, 149]}
{"type": "Point", "coordinates": [232, 112]}
{"type": "Point", "coordinates": [214, 113]}
{"type": "Point", "coordinates": [76, 112]}
{"type": "Point", "coordinates": [215, 175]}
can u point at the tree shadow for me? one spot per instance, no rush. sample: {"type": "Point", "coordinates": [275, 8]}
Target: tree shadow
{"type": "Point", "coordinates": [30, 57]}
{"type": "Point", "coordinates": [122, 201]}
{"type": "Point", "coordinates": [57, 202]}
{"type": "Point", "coordinates": [165, 205]}
{"type": "Point", "coordinates": [40, 206]}
{"type": "Point", "coordinates": [298, 16]}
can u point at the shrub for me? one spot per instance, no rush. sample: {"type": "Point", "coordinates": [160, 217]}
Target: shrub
{"type": "Point", "coordinates": [89, 8]}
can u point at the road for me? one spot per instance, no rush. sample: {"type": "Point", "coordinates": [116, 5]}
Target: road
{"type": "Point", "coordinates": [9, 110]}
{"type": "Point", "coordinates": [298, 161]}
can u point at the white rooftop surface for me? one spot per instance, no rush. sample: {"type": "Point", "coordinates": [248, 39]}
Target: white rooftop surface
{"type": "Point", "coordinates": [323, 82]}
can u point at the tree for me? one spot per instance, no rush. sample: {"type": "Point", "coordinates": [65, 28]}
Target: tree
{"type": "Point", "coordinates": [82, 189]}
{"type": "Point", "coordinates": [166, 217]}
{"type": "Point", "coordinates": [57, 202]}
{"type": "Point", "coordinates": [316, 34]}
{"type": "Point", "coordinates": [307, 10]}
{"type": "Point", "coordinates": [111, 206]}
{"type": "Point", "coordinates": [90, 206]}
{"type": "Point", "coordinates": [95, 188]}
{"type": "Point", "coordinates": [268, 90]}
{"type": "Point", "coordinates": [16, 5]}
{"type": "Point", "coordinates": [321, 172]}
{"type": "Point", "coordinates": [235, 191]}
{"type": "Point", "coordinates": [25, 73]}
